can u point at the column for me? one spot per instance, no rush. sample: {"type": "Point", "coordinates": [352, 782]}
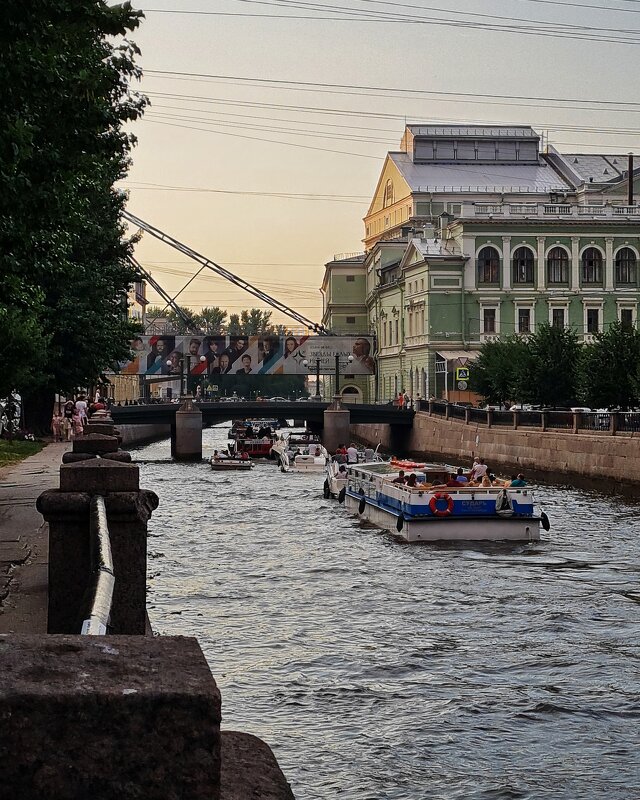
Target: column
{"type": "Point", "coordinates": [506, 262]}
{"type": "Point", "coordinates": [542, 278]}
{"type": "Point", "coordinates": [608, 264]}
{"type": "Point", "coordinates": [575, 262]}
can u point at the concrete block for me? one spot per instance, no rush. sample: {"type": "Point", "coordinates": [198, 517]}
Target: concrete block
{"type": "Point", "coordinates": [95, 443]}
{"type": "Point", "coordinates": [108, 717]}
{"type": "Point", "coordinates": [99, 476]}
{"type": "Point", "coordinates": [73, 458]}
{"type": "Point", "coordinates": [120, 455]}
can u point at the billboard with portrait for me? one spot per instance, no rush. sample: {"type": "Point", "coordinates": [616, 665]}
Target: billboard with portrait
{"type": "Point", "coordinates": [267, 354]}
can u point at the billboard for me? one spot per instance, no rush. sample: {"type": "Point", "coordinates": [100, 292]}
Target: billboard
{"type": "Point", "coordinates": [267, 354]}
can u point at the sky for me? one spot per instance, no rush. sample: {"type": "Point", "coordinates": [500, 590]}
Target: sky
{"type": "Point", "coordinates": [270, 119]}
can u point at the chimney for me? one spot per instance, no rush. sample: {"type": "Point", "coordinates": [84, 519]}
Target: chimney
{"type": "Point", "coordinates": [630, 179]}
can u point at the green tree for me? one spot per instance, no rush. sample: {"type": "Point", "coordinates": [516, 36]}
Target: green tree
{"type": "Point", "coordinates": [212, 320]}
{"type": "Point", "coordinates": [64, 269]}
{"type": "Point", "coordinates": [495, 372]}
{"type": "Point", "coordinates": [550, 377]}
{"type": "Point", "coordinates": [610, 369]}
{"type": "Point", "coordinates": [255, 322]}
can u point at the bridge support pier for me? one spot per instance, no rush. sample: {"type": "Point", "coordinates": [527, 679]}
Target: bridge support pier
{"type": "Point", "coordinates": [186, 445]}
{"type": "Point", "coordinates": [337, 426]}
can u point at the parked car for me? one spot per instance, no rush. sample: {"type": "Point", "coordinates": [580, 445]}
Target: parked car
{"type": "Point", "coordinates": [522, 407]}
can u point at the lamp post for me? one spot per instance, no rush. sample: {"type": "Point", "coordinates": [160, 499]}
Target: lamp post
{"type": "Point", "coordinates": [336, 395]}
{"type": "Point", "coordinates": [305, 363]}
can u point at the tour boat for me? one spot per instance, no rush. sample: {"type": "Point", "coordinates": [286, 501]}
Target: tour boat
{"type": "Point", "coordinates": [255, 448]}
{"type": "Point", "coordinates": [433, 512]}
{"type": "Point", "coordinates": [336, 473]}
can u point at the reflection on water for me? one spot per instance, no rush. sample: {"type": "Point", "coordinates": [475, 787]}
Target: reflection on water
{"type": "Point", "coordinates": [376, 669]}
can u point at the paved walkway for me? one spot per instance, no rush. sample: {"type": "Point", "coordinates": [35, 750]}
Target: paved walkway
{"type": "Point", "coordinates": [24, 541]}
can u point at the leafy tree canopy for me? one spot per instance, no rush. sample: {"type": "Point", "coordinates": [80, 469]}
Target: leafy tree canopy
{"type": "Point", "coordinates": [64, 99]}
{"type": "Point", "coordinates": [496, 371]}
{"type": "Point", "coordinates": [610, 369]}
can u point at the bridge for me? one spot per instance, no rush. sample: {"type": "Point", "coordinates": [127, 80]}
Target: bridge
{"type": "Point", "coordinates": [214, 412]}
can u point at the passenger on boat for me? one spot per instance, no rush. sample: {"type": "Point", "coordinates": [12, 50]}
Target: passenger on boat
{"type": "Point", "coordinates": [452, 482]}
{"type": "Point", "coordinates": [460, 476]}
{"type": "Point", "coordinates": [352, 454]}
{"type": "Point", "coordinates": [411, 481]}
{"type": "Point", "coordinates": [486, 481]}
{"type": "Point", "coordinates": [216, 455]}
{"type": "Point", "coordinates": [318, 452]}
{"type": "Point", "coordinates": [479, 470]}
{"type": "Point", "coordinates": [400, 479]}
{"type": "Point", "coordinates": [519, 481]}
{"type": "Point", "coordinates": [244, 456]}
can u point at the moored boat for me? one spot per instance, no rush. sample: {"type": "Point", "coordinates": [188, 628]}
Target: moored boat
{"type": "Point", "coordinates": [432, 512]}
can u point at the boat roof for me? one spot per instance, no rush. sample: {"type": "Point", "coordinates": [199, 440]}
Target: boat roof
{"type": "Point", "coordinates": [386, 468]}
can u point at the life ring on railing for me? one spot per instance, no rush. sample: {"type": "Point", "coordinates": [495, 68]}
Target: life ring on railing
{"type": "Point", "coordinates": [441, 512]}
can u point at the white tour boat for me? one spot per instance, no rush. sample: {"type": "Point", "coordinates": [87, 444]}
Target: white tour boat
{"type": "Point", "coordinates": [310, 456]}
{"type": "Point", "coordinates": [433, 512]}
{"type": "Point", "coordinates": [336, 473]}
{"type": "Point", "coordinates": [222, 462]}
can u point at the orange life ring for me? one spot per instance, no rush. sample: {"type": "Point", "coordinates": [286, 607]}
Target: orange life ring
{"type": "Point", "coordinates": [441, 512]}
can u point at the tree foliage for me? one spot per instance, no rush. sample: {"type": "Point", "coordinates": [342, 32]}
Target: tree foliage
{"type": "Point", "coordinates": [250, 322]}
{"type": "Point", "coordinates": [496, 372]}
{"type": "Point", "coordinates": [610, 369]}
{"type": "Point", "coordinates": [64, 269]}
{"type": "Point", "coordinates": [551, 374]}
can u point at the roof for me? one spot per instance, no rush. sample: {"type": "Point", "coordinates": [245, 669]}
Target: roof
{"type": "Point", "coordinates": [600, 168]}
{"type": "Point", "coordinates": [455, 355]}
{"type": "Point", "coordinates": [477, 178]}
{"type": "Point", "coordinates": [475, 131]}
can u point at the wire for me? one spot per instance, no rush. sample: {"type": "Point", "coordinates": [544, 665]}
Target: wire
{"type": "Point", "coordinates": [276, 195]}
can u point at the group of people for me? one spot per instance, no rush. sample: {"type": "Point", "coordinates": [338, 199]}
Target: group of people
{"type": "Point", "coordinates": [478, 475]}
{"type": "Point", "coordinates": [403, 401]}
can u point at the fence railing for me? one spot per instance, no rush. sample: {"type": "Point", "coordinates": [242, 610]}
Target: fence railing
{"type": "Point", "coordinates": [597, 422]}
{"type": "Point", "coordinates": [101, 591]}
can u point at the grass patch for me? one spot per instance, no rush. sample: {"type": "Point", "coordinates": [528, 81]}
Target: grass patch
{"type": "Point", "coordinates": [12, 452]}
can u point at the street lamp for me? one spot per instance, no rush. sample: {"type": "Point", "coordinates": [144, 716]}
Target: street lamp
{"type": "Point", "coordinates": [349, 361]}
{"type": "Point", "coordinates": [305, 363]}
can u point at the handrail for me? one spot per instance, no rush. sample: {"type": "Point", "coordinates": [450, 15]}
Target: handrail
{"type": "Point", "coordinates": [102, 590]}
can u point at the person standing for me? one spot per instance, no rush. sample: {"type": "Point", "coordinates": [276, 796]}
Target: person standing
{"type": "Point", "coordinates": [81, 408]}
{"type": "Point", "coordinates": [407, 401]}
{"type": "Point", "coordinates": [352, 454]}
{"type": "Point", "coordinates": [400, 401]}
{"type": "Point", "coordinates": [67, 420]}
{"type": "Point", "coordinates": [56, 425]}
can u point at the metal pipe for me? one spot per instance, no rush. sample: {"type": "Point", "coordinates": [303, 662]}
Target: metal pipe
{"type": "Point", "coordinates": [630, 179]}
{"type": "Point", "coordinates": [98, 619]}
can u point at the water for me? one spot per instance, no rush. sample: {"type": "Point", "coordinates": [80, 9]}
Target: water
{"type": "Point", "coordinates": [378, 670]}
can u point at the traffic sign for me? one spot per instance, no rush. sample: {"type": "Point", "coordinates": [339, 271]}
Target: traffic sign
{"type": "Point", "coordinates": [463, 386]}
{"type": "Point", "coordinates": [462, 374]}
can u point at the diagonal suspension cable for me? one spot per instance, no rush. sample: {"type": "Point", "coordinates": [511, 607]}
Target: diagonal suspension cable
{"type": "Point", "coordinates": [225, 273]}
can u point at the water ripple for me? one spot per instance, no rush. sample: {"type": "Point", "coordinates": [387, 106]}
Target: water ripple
{"type": "Point", "coordinates": [379, 671]}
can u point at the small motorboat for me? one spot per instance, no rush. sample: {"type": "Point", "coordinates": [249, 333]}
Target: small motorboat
{"type": "Point", "coordinates": [223, 461]}
{"type": "Point", "coordinates": [313, 457]}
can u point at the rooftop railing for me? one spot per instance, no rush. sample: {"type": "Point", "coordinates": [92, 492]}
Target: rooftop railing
{"type": "Point", "coordinates": [520, 210]}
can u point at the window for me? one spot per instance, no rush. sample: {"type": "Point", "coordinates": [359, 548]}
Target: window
{"type": "Point", "coordinates": [488, 265]}
{"type": "Point", "coordinates": [557, 317]}
{"type": "Point", "coordinates": [626, 318]}
{"type": "Point", "coordinates": [522, 261]}
{"type": "Point", "coordinates": [388, 194]}
{"type": "Point", "coordinates": [593, 320]}
{"type": "Point", "coordinates": [558, 267]}
{"type": "Point", "coordinates": [351, 320]}
{"type": "Point", "coordinates": [397, 333]}
{"type": "Point", "coordinates": [524, 320]}
{"type": "Point", "coordinates": [421, 284]}
{"type": "Point", "coordinates": [592, 265]}
{"type": "Point", "coordinates": [625, 266]}
{"type": "Point", "coordinates": [351, 278]}
{"type": "Point", "coordinates": [489, 320]}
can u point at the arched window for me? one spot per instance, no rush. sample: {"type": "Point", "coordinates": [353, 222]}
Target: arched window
{"type": "Point", "coordinates": [488, 265]}
{"type": "Point", "coordinates": [626, 266]}
{"type": "Point", "coordinates": [388, 194]}
{"type": "Point", "coordinates": [558, 265]}
{"type": "Point", "coordinates": [592, 265]}
{"type": "Point", "coordinates": [522, 262]}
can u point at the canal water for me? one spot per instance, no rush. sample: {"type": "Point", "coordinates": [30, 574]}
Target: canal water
{"type": "Point", "coordinates": [376, 669]}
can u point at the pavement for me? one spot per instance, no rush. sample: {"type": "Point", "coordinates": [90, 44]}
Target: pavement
{"type": "Point", "coordinates": [24, 540]}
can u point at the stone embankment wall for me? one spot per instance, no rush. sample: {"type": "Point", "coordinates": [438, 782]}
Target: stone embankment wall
{"type": "Point", "coordinates": [554, 453]}
{"type": "Point", "coordinates": [133, 435]}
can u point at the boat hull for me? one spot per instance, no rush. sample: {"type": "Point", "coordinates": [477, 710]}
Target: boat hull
{"type": "Point", "coordinates": [434, 529]}
{"type": "Point", "coordinates": [223, 466]}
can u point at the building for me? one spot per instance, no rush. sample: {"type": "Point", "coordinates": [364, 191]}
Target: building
{"type": "Point", "coordinates": [475, 232]}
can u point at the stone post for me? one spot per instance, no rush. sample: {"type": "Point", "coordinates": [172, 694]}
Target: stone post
{"type": "Point", "coordinates": [446, 410]}
{"type": "Point", "coordinates": [467, 416]}
{"type": "Point", "coordinates": [614, 421]}
{"type": "Point", "coordinates": [577, 419]}
{"type": "Point", "coordinates": [337, 425]}
{"type": "Point", "coordinates": [489, 417]}
{"type": "Point", "coordinates": [516, 420]}
{"type": "Point", "coordinates": [430, 408]}
{"type": "Point", "coordinates": [544, 420]}
{"type": "Point", "coordinates": [108, 717]}
{"type": "Point", "coordinates": [188, 444]}
{"type": "Point", "coordinates": [70, 567]}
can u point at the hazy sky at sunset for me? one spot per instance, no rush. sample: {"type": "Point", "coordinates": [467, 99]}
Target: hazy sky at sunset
{"type": "Point", "coordinates": [268, 181]}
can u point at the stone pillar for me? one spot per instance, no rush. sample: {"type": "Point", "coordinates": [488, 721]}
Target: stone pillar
{"type": "Point", "coordinates": [71, 570]}
{"type": "Point", "coordinates": [506, 263]}
{"type": "Point", "coordinates": [108, 717]}
{"type": "Point", "coordinates": [337, 426]}
{"type": "Point", "coordinates": [608, 264]}
{"type": "Point", "coordinates": [516, 420]}
{"type": "Point", "coordinates": [188, 446]}
{"type": "Point", "coordinates": [542, 270]}
{"type": "Point", "coordinates": [467, 416]}
{"type": "Point", "coordinates": [575, 263]}
{"type": "Point", "coordinates": [544, 420]}
{"type": "Point", "coordinates": [614, 420]}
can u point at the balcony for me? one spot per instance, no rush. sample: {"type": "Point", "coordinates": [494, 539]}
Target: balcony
{"type": "Point", "coordinates": [549, 211]}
